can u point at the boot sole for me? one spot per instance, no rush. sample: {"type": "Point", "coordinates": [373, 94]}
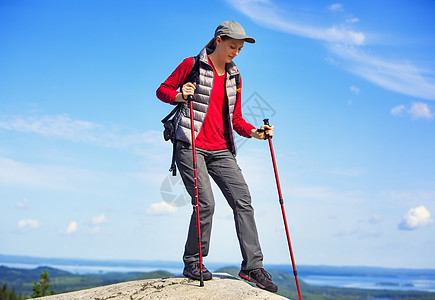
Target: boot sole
{"type": "Point", "coordinates": [258, 284]}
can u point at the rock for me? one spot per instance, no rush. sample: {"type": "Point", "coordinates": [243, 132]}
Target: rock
{"type": "Point", "coordinates": [222, 286]}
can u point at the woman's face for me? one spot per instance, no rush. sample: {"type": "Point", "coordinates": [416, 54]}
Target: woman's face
{"type": "Point", "coordinates": [228, 49]}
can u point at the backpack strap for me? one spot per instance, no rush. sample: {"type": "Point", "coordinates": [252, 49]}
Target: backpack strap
{"type": "Point", "coordinates": [176, 108]}
{"type": "Point", "coordinates": [193, 77]}
{"type": "Point", "coordinates": [194, 72]}
{"type": "Point", "coordinates": [173, 167]}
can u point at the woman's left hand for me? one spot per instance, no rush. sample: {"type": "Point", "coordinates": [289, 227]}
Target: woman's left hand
{"type": "Point", "coordinates": [267, 130]}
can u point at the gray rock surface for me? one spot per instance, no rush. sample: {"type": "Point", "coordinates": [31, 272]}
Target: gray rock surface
{"type": "Point", "coordinates": [222, 286]}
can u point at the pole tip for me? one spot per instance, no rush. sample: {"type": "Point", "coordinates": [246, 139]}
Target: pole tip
{"type": "Point", "coordinates": [201, 280]}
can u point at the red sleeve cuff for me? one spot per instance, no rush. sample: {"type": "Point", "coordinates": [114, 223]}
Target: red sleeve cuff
{"type": "Point", "coordinates": [246, 131]}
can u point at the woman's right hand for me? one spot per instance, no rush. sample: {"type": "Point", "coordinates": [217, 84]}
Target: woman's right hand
{"type": "Point", "coordinates": [188, 89]}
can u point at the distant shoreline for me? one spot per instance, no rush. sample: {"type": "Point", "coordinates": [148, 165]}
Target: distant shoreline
{"type": "Point", "coordinates": [332, 276]}
{"type": "Point", "coordinates": [312, 269]}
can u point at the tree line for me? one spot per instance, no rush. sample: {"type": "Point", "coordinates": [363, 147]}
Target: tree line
{"type": "Point", "coordinates": [40, 288]}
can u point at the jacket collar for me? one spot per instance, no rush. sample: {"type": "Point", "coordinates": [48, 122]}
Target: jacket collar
{"type": "Point", "coordinates": [231, 67]}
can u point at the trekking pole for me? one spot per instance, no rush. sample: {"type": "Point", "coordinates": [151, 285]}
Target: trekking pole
{"type": "Point", "coordinates": [195, 176]}
{"type": "Point", "coordinates": [281, 201]}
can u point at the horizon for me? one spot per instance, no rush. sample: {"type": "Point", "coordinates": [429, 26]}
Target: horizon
{"type": "Point", "coordinates": [213, 264]}
{"type": "Point", "coordinates": [349, 86]}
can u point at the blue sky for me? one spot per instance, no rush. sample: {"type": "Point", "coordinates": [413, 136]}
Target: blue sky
{"type": "Point", "coordinates": [350, 87]}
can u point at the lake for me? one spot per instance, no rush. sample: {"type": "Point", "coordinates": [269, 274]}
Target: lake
{"type": "Point", "coordinates": [402, 283]}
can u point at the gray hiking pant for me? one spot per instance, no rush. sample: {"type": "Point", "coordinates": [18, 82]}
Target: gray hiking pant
{"type": "Point", "coordinates": [221, 165]}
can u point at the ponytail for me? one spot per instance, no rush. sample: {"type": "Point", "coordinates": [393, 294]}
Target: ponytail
{"type": "Point", "coordinates": [212, 44]}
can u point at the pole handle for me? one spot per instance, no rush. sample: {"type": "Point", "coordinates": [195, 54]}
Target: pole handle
{"type": "Point", "coordinates": [266, 122]}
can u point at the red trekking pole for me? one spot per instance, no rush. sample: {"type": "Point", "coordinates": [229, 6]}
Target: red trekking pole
{"type": "Point", "coordinates": [281, 201]}
{"type": "Point", "coordinates": [195, 176]}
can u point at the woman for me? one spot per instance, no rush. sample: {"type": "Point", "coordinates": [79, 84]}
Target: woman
{"type": "Point", "coordinates": [217, 111]}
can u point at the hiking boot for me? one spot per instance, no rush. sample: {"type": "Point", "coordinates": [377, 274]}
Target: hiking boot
{"type": "Point", "coordinates": [193, 271]}
{"type": "Point", "coordinates": [261, 278]}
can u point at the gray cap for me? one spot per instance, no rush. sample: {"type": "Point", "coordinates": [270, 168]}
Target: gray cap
{"type": "Point", "coordinates": [233, 30]}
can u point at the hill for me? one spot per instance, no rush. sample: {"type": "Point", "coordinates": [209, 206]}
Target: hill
{"type": "Point", "coordinates": [22, 279]}
{"type": "Point", "coordinates": [222, 286]}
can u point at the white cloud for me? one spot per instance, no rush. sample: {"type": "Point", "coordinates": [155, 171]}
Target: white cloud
{"type": "Point", "coordinates": [65, 128]}
{"type": "Point", "coordinates": [400, 76]}
{"type": "Point", "coordinates": [101, 219]}
{"type": "Point", "coordinates": [71, 228]}
{"type": "Point", "coordinates": [149, 145]}
{"type": "Point", "coordinates": [28, 224]}
{"type": "Point", "coordinates": [161, 208]}
{"type": "Point", "coordinates": [268, 14]}
{"type": "Point", "coordinates": [396, 111]}
{"type": "Point", "coordinates": [58, 125]}
{"type": "Point", "coordinates": [336, 7]}
{"type": "Point", "coordinates": [416, 218]}
{"type": "Point", "coordinates": [352, 20]}
{"type": "Point", "coordinates": [354, 89]}
{"type": "Point", "coordinates": [420, 111]}
{"type": "Point", "coordinates": [96, 223]}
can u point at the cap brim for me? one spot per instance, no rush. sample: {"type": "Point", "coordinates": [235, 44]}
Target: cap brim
{"type": "Point", "coordinates": [242, 37]}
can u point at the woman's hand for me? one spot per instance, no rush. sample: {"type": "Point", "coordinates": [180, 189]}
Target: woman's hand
{"type": "Point", "coordinates": [188, 89]}
{"type": "Point", "coordinates": [261, 135]}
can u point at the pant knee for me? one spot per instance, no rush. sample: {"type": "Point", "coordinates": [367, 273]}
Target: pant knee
{"type": "Point", "coordinates": [206, 209]}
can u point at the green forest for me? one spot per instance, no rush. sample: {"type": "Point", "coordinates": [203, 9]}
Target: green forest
{"type": "Point", "coordinates": [19, 284]}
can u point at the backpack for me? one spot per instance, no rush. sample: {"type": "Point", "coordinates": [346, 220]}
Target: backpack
{"type": "Point", "coordinates": [168, 122]}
